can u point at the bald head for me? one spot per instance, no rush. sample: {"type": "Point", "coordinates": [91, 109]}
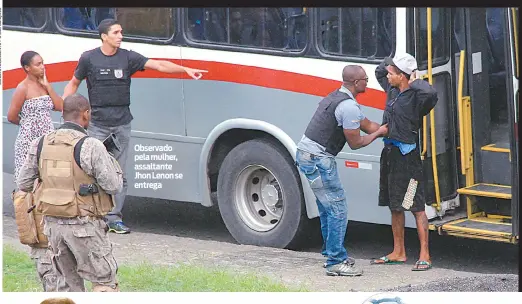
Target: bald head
{"type": "Point", "coordinates": [58, 301]}
{"type": "Point", "coordinates": [352, 72]}
{"type": "Point", "coordinates": [74, 106]}
{"type": "Point", "coordinates": [355, 79]}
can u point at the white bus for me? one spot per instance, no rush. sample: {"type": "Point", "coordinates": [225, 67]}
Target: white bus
{"type": "Point", "coordinates": [235, 131]}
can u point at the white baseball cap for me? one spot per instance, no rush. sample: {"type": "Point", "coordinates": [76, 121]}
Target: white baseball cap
{"type": "Point", "coordinates": [404, 62]}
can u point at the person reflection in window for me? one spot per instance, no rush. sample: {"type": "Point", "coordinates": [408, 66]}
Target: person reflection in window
{"type": "Point", "coordinates": [236, 27]}
{"type": "Point", "coordinates": [78, 18]}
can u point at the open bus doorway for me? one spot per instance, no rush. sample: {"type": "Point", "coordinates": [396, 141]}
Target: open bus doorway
{"type": "Point", "coordinates": [484, 93]}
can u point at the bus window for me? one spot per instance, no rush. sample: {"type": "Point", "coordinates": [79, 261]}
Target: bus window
{"type": "Point", "coordinates": [147, 22]}
{"type": "Point", "coordinates": [265, 28]}
{"type": "Point", "coordinates": [137, 22]}
{"type": "Point", "coordinates": [78, 18]}
{"type": "Point", "coordinates": [459, 35]}
{"type": "Point", "coordinates": [24, 16]}
{"type": "Point", "coordinates": [208, 24]}
{"type": "Point", "coordinates": [356, 32]}
{"type": "Point", "coordinates": [440, 30]}
{"type": "Point", "coordinates": [495, 32]}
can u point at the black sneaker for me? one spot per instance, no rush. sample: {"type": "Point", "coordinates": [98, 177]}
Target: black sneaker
{"type": "Point", "coordinates": [118, 227]}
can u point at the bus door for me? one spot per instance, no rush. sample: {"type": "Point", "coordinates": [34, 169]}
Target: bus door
{"type": "Point", "coordinates": [482, 49]}
{"type": "Point", "coordinates": [514, 70]}
{"type": "Point", "coordinates": [430, 42]}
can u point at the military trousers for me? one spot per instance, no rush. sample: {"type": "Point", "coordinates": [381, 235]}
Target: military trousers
{"type": "Point", "coordinates": [44, 268]}
{"type": "Point", "coordinates": [81, 250]}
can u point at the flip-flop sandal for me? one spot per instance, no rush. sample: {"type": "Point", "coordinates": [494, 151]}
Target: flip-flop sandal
{"type": "Point", "coordinates": [385, 261]}
{"type": "Point", "coordinates": [424, 263]}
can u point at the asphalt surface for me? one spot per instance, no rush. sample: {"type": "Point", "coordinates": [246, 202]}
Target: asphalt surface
{"type": "Point", "coordinates": [167, 232]}
{"type": "Point", "coordinates": [488, 283]}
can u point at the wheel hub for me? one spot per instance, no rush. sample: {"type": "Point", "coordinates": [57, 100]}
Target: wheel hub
{"type": "Point", "coordinates": [258, 198]}
{"type": "Point", "coordinates": [270, 195]}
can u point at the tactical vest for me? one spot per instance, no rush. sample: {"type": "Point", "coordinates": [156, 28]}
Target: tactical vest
{"type": "Point", "coordinates": [108, 86]}
{"type": "Point", "coordinates": [323, 127]}
{"type": "Point", "coordinates": [111, 83]}
{"type": "Point", "coordinates": [61, 177]}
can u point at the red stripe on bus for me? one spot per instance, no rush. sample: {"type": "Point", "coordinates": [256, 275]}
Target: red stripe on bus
{"type": "Point", "coordinates": [351, 164]}
{"type": "Point", "coordinates": [219, 71]}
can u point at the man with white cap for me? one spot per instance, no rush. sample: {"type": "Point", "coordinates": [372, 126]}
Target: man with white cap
{"type": "Point", "coordinates": [401, 185]}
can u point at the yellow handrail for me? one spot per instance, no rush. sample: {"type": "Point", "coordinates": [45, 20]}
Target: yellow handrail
{"type": "Point", "coordinates": [466, 103]}
{"type": "Point", "coordinates": [468, 147]}
{"type": "Point", "coordinates": [432, 114]}
{"type": "Point", "coordinates": [515, 35]}
{"type": "Point", "coordinates": [466, 135]}
{"type": "Point", "coordinates": [463, 162]}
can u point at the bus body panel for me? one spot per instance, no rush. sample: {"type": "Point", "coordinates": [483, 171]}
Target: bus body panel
{"type": "Point", "coordinates": [207, 103]}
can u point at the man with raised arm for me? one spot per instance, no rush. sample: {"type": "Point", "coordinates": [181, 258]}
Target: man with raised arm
{"type": "Point", "coordinates": [108, 70]}
{"type": "Point", "coordinates": [401, 176]}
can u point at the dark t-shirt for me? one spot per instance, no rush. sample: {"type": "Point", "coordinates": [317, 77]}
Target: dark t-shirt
{"type": "Point", "coordinates": [108, 83]}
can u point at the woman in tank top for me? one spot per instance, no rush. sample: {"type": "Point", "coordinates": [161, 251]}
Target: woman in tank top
{"type": "Point", "coordinates": [31, 106]}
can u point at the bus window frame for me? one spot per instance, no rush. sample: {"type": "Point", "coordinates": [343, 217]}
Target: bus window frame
{"type": "Point", "coordinates": [410, 30]}
{"type": "Point", "coordinates": [513, 47]}
{"type": "Point", "coordinates": [242, 49]}
{"type": "Point", "coordinates": [43, 28]}
{"type": "Point", "coordinates": [126, 37]}
{"type": "Point", "coordinates": [436, 61]}
{"type": "Point", "coordinates": [329, 56]}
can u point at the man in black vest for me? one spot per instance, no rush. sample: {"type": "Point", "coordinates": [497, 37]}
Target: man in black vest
{"type": "Point", "coordinates": [402, 180]}
{"type": "Point", "coordinates": [108, 70]}
{"type": "Point", "coordinates": [337, 120]}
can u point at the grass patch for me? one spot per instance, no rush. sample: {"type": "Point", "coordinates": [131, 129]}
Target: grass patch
{"type": "Point", "coordinates": [20, 275]}
{"type": "Point", "coordinates": [19, 271]}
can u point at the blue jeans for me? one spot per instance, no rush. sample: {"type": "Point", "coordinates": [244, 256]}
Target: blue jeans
{"type": "Point", "coordinates": [123, 134]}
{"type": "Point", "coordinates": [323, 178]}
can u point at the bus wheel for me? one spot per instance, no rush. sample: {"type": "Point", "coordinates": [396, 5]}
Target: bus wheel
{"type": "Point", "coordinates": [260, 197]}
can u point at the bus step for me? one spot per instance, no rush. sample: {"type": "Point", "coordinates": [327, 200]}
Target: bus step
{"type": "Point", "coordinates": [450, 216]}
{"type": "Point", "coordinates": [487, 190]}
{"type": "Point", "coordinates": [486, 228]}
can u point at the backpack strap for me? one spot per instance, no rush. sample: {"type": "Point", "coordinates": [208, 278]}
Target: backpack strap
{"type": "Point", "coordinates": [77, 150]}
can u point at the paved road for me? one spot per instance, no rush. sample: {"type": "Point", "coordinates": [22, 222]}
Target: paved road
{"type": "Point", "coordinates": [177, 232]}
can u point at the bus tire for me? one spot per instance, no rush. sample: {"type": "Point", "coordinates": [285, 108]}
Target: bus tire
{"type": "Point", "coordinates": [255, 209]}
